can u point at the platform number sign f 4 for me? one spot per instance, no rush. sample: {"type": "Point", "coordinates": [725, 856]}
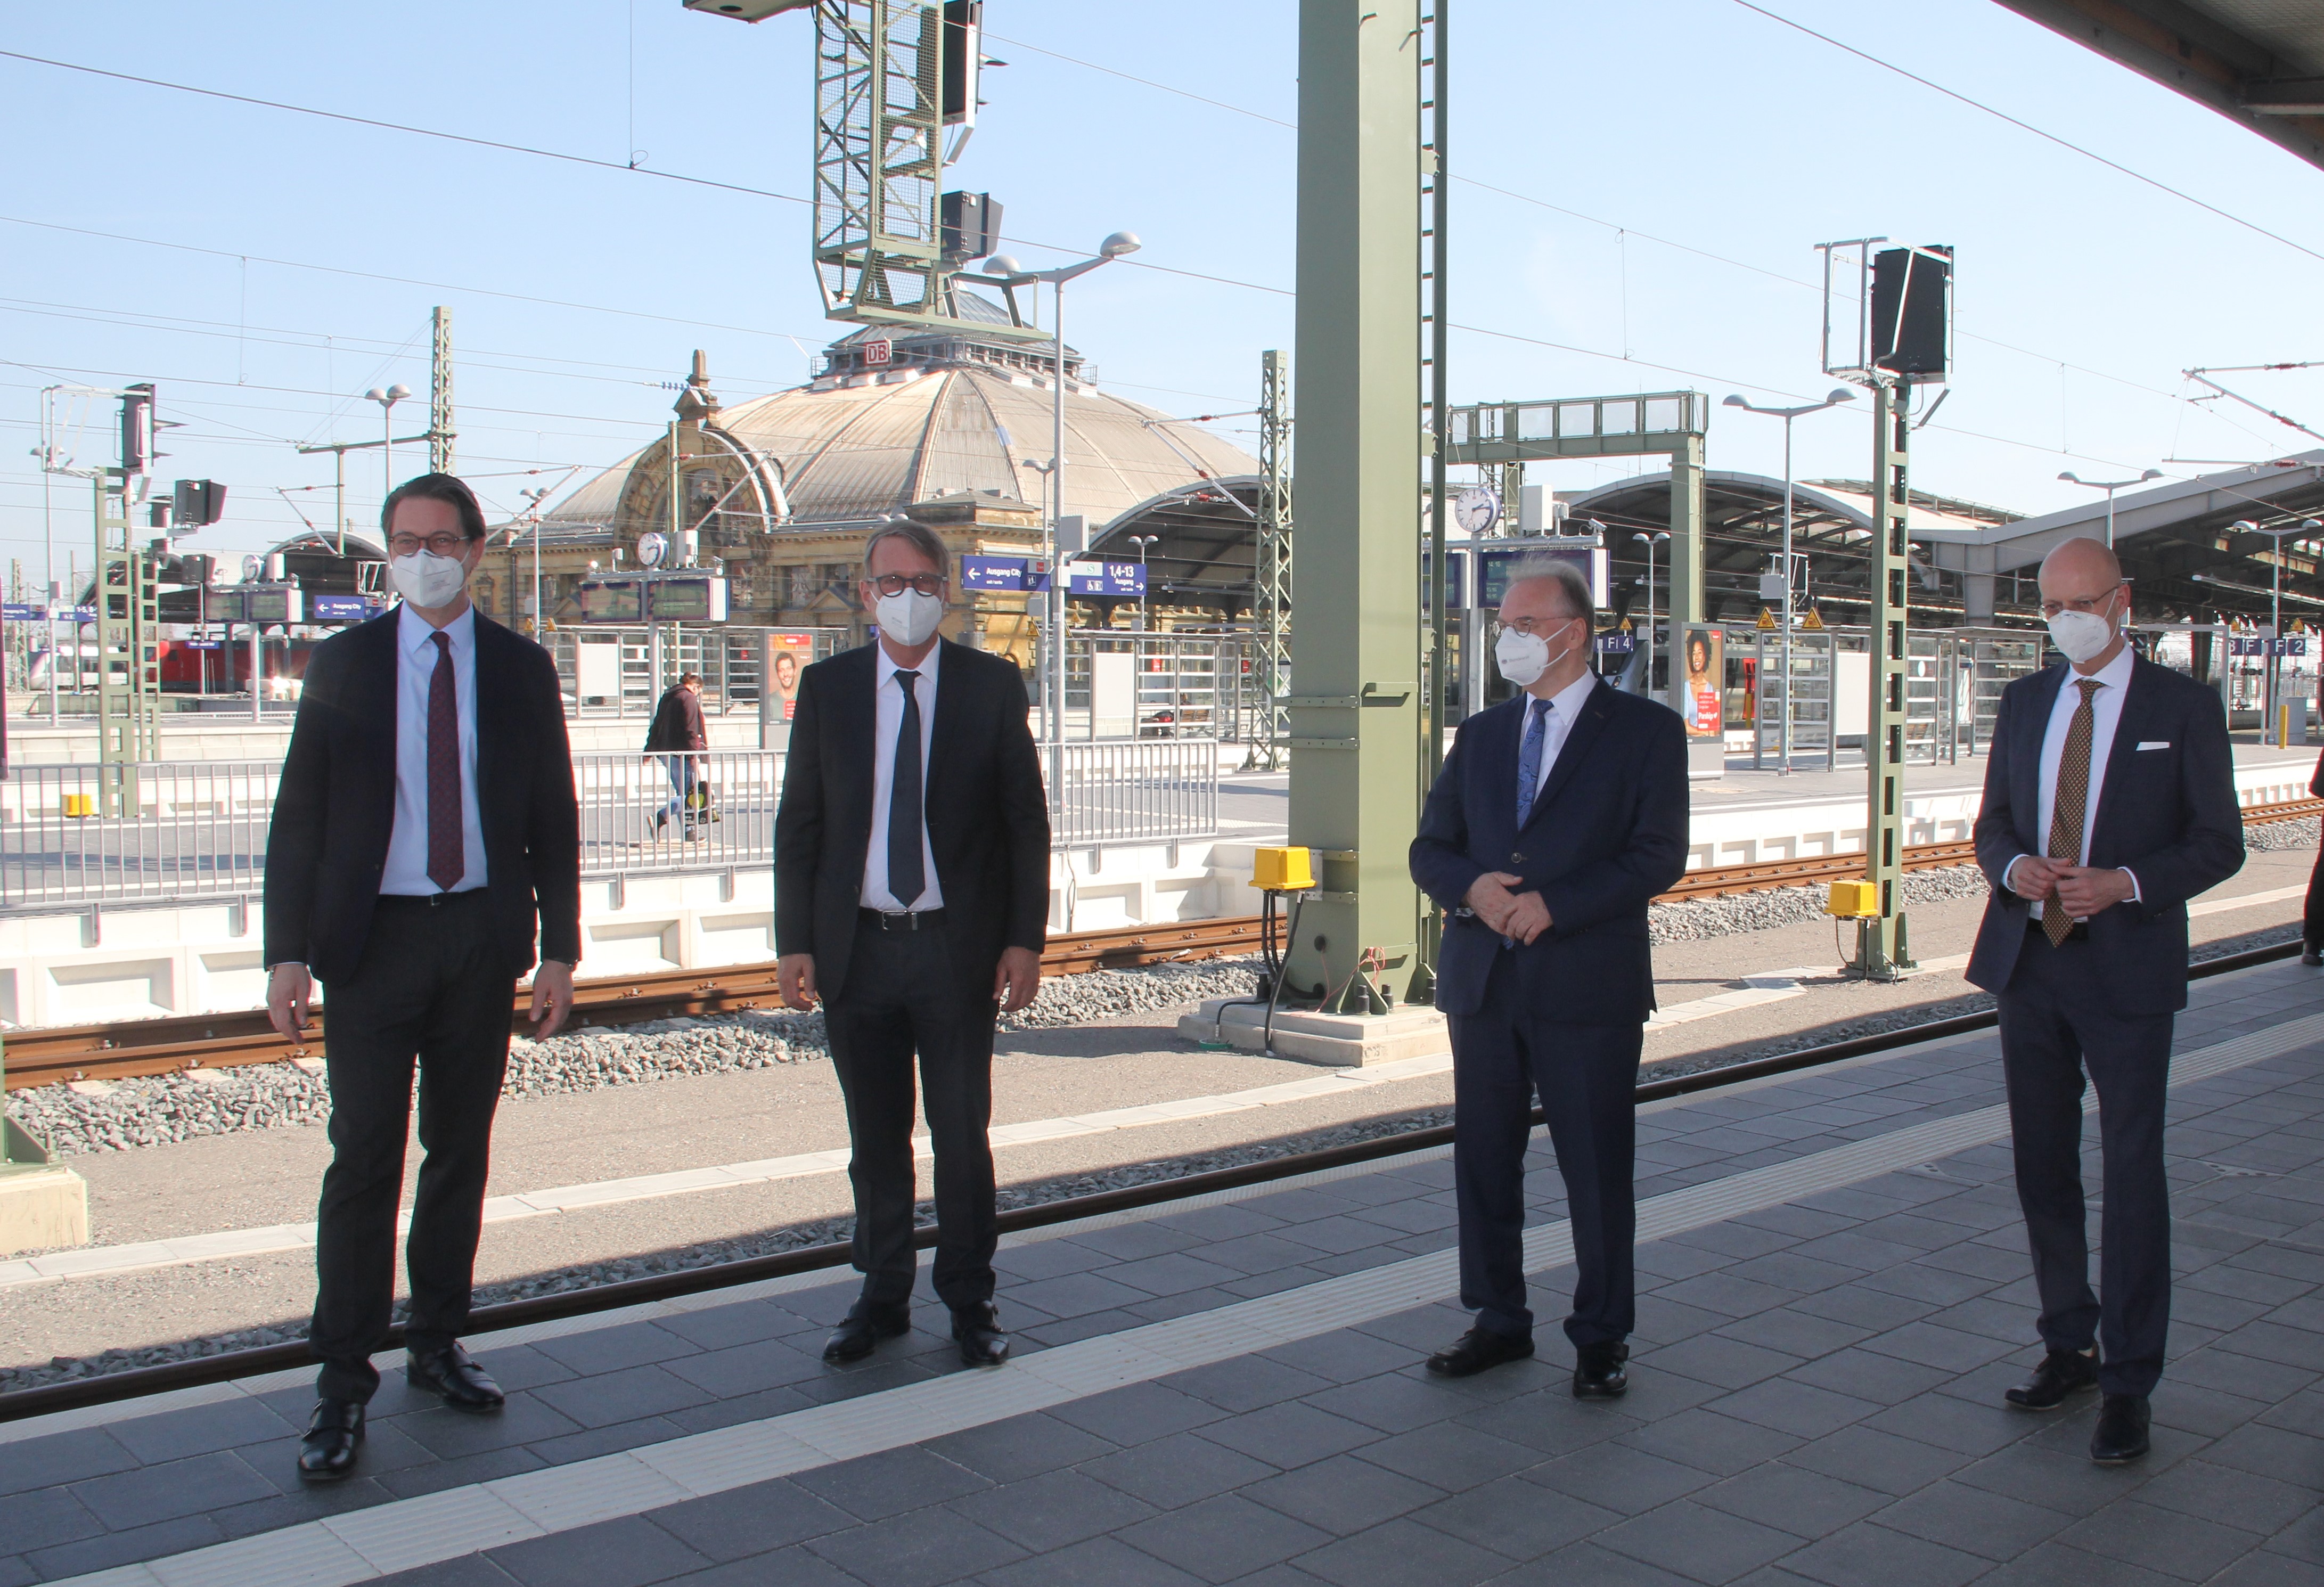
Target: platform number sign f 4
{"type": "Point", "coordinates": [879, 351]}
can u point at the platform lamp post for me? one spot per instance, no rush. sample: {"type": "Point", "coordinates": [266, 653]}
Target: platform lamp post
{"type": "Point", "coordinates": [2111, 486]}
{"type": "Point", "coordinates": [1649, 540]}
{"type": "Point", "coordinates": [1838, 395]}
{"type": "Point", "coordinates": [532, 499]}
{"type": "Point", "coordinates": [1141, 541]}
{"type": "Point", "coordinates": [387, 400]}
{"type": "Point", "coordinates": [1005, 272]}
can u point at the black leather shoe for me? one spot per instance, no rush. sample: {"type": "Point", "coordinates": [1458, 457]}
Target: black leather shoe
{"type": "Point", "coordinates": [1478, 1350]}
{"type": "Point", "coordinates": [2309, 954]}
{"type": "Point", "coordinates": [981, 1342]}
{"type": "Point", "coordinates": [454, 1374]}
{"type": "Point", "coordinates": [1602, 1371]}
{"type": "Point", "coordinates": [862, 1330]}
{"type": "Point", "coordinates": [2121, 1436]}
{"type": "Point", "coordinates": [2061, 1372]}
{"type": "Point", "coordinates": [334, 1432]}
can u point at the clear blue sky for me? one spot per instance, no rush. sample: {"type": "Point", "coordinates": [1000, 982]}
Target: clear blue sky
{"type": "Point", "coordinates": [1695, 151]}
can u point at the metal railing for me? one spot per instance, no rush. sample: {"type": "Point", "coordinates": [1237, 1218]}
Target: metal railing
{"type": "Point", "coordinates": [708, 810]}
{"type": "Point", "coordinates": [81, 833]}
{"type": "Point", "coordinates": [1163, 791]}
{"type": "Point", "coordinates": [161, 831]}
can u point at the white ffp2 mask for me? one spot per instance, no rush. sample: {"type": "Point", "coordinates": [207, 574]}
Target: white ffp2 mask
{"type": "Point", "coordinates": [2081, 636]}
{"type": "Point", "coordinates": [1523, 657]}
{"type": "Point", "coordinates": [427, 579]}
{"type": "Point", "coordinates": [909, 617]}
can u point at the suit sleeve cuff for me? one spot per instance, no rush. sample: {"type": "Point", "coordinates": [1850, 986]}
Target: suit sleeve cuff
{"type": "Point", "coordinates": [2135, 896]}
{"type": "Point", "coordinates": [2007, 872]}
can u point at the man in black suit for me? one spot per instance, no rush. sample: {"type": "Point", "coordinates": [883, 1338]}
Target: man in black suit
{"type": "Point", "coordinates": [912, 896]}
{"type": "Point", "coordinates": [1558, 815]}
{"type": "Point", "coordinates": [425, 823]}
{"type": "Point", "coordinates": [2110, 802]}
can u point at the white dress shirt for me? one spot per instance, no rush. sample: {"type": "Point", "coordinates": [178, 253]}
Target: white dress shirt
{"type": "Point", "coordinates": [887, 695]}
{"type": "Point", "coordinates": [406, 871]}
{"type": "Point", "coordinates": [1565, 710]}
{"type": "Point", "coordinates": [2106, 715]}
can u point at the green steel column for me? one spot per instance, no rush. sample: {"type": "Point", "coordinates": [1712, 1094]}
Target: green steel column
{"type": "Point", "coordinates": [1685, 557]}
{"type": "Point", "coordinates": [1881, 948]}
{"type": "Point", "coordinates": [1354, 722]}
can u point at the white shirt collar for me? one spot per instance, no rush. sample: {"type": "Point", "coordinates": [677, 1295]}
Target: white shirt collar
{"type": "Point", "coordinates": [2114, 674]}
{"type": "Point", "coordinates": [1568, 700]}
{"type": "Point", "coordinates": [926, 668]}
{"type": "Point", "coordinates": [412, 631]}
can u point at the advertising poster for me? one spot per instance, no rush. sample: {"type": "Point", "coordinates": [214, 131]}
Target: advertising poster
{"type": "Point", "coordinates": [787, 655]}
{"type": "Point", "coordinates": [1706, 677]}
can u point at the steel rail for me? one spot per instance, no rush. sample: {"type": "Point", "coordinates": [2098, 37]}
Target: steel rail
{"type": "Point", "coordinates": [44, 1055]}
{"type": "Point", "coordinates": [138, 1382]}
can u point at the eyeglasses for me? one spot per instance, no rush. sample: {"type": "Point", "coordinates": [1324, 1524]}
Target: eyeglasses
{"type": "Point", "coordinates": [2079, 603]}
{"type": "Point", "coordinates": [442, 545]}
{"type": "Point", "coordinates": [1526, 625]}
{"type": "Point", "coordinates": [895, 583]}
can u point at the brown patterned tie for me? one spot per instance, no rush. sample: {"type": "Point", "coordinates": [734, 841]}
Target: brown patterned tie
{"type": "Point", "coordinates": [2070, 810]}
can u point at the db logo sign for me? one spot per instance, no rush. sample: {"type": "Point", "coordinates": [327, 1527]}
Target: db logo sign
{"type": "Point", "coordinates": [879, 351]}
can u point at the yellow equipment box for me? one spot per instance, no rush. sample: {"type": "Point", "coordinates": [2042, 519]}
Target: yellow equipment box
{"type": "Point", "coordinates": [1853, 900]}
{"type": "Point", "coordinates": [79, 807]}
{"type": "Point", "coordinates": [1282, 869]}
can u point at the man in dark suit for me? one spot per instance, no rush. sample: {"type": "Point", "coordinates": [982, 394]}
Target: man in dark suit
{"type": "Point", "coordinates": [1558, 815]}
{"type": "Point", "coordinates": [426, 822]}
{"type": "Point", "coordinates": [912, 896]}
{"type": "Point", "coordinates": [2110, 802]}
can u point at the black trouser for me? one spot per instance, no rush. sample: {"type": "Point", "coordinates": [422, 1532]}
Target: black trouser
{"type": "Point", "coordinates": [2311, 925]}
{"type": "Point", "coordinates": [1584, 1074]}
{"type": "Point", "coordinates": [431, 986]}
{"type": "Point", "coordinates": [903, 995]}
{"type": "Point", "coordinates": [2053, 1024]}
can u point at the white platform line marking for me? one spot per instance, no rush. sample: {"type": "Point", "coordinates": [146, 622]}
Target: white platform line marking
{"type": "Point", "coordinates": [719, 1462]}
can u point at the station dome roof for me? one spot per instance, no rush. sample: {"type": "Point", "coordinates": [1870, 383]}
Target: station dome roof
{"type": "Point", "coordinates": [947, 413]}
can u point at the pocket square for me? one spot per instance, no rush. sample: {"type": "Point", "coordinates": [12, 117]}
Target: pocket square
{"type": "Point", "coordinates": [2154, 743]}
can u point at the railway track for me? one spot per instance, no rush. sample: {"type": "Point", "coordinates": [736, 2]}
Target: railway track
{"type": "Point", "coordinates": [194, 1042]}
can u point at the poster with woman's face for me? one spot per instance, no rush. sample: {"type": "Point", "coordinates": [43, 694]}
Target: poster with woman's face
{"type": "Point", "coordinates": [1706, 677]}
{"type": "Point", "coordinates": [786, 653]}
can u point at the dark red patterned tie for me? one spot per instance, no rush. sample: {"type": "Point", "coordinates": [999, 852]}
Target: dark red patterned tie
{"type": "Point", "coordinates": [447, 845]}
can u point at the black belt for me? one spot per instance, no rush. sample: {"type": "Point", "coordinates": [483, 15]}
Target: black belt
{"type": "Point", "coordinates": [429, 900]}
{"type": "Point", "coordinates": [2080, 932]}
{"type": "Point", "coordinates": [901, 920]}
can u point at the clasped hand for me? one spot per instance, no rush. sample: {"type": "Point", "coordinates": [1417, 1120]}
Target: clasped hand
{"type": "Point", "coordinates": [1519, 916]}
{"type": "Point", "coordinates": [2081, 890]}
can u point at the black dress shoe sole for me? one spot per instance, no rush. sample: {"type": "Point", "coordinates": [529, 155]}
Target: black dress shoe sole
{"type": "Point", "coordinates": [1613, 1390]}
{"type": "Point", "coordinates": [2058, 1404]}
{"type": "Point", "coordinates": [321, 1478]}
{"type": "Point", "coordinates": [978, 1356]}
{"type": "Point", "coordinates": [2119, 1457]}
{"type": "Point", "coordinates": [838, 1356]}
{"type": "Point", "coordinates": [1470, 1366]}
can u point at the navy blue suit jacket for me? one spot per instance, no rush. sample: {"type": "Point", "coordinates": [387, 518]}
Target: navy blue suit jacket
{"type": "Point", "coordinates": [1606, 834]}
{"type": "Point", "coordinates": [2167, 814]}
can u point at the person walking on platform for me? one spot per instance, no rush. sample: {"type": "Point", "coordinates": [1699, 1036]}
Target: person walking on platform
{"type": "Point", "coordinates": [1558, 816]}
{"type": "Point", "coordinates": [2110, 802]}
{"type": "Point", "coordinates": [424, 822]}
{"type": "Point", "coordinates": [912, 897]}
{"type": "Point", "coordinates": [677, 729]}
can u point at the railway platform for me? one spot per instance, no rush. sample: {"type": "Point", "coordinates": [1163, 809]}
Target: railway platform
{"type": "Point", "coordinates": [1834, 1292]}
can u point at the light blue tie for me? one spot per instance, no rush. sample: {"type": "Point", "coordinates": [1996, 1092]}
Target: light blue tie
{"type": "Point", "coordinates": [1529, 759]}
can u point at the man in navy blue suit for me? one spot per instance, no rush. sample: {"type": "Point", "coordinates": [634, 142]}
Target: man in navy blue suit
{"type": "Point", "coordinates": [2110, 802]}
{"type": "Point", "coordinates": [1558, 817]}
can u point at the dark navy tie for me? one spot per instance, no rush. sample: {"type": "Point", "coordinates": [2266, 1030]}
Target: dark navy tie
{"type": "Point", "coordinates": [1529, 759]}
{"type": "Point", "coordinates": [448, 843]}
{"type": "Point", "coordinates": [906, 873]}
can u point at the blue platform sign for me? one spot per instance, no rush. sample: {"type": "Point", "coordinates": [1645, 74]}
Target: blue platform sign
{"type": "Point", "coordinates": [992, 573]}
{"type": "Point", "coordinates": [1105, 579]}
{"type": "Point", "coordinates": [15, 613]}
{"type": "Point", "coordinates": [341, 609]}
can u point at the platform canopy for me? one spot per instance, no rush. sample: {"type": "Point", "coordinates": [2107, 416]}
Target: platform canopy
{"type": "Point", "coordinates": [1207, 547]}
{"type": "Point", "coordinates": [2260, 63]}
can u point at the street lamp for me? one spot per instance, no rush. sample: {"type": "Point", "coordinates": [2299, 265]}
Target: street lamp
{"type": "Point", "coordinates": [2111, 486]}
{"type": "Point", "coordinates": [532, 498]}
{"type": "Point", "coordinates": [387, 400]}
{"type": "Point", "coordinates": [1141, 541]}
{"type": "Point", "coordinates": [1004, 271]}
{"type": "Point", "coordinates": [1838, 395]}
{"type": "Point", "coordinates": [1648, 542]}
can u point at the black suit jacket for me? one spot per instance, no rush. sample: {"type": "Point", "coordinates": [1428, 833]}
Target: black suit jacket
{"type": "Point", "coordinates": [988, 816]}
{"type": "Point", "coordinates": [1606, 834]}
{"type": "Point", "coordinates": [2168, 814]}
{"type": "Point", "coordinates": [336, 807]}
